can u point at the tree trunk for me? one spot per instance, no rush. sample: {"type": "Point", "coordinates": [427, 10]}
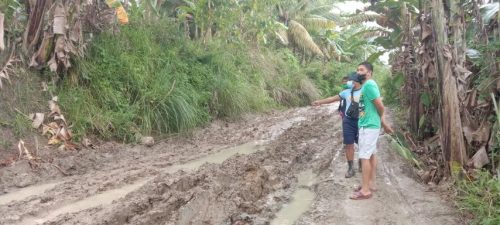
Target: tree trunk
{"type": "Point", "coordinates": [457, 27]}
{"type": "Point", "coordinates": [452, 141]}
{"type": "Point", "coordinates": [412, 84]}
{"type": "Point", "coordinates": [33, 30]}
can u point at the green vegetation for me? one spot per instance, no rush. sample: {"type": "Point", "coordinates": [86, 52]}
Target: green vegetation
{"type": "Point", "coordinates": [481, 197]}
{"type": "Point", "coordinates": [147, 79]}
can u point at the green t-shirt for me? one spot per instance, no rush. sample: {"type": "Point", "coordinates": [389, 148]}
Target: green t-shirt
{"type": "Point", "coordinates": [368, 114]}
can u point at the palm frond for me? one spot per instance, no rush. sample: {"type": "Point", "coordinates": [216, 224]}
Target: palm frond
{"type": "Point", "coordinates": [488, 11]}
{"type": "Point", "coordinates": [302, 38]}
{"type": "Point", "coordinates": [317, 23]}
{"type": "Point", "coordinates": [359, 19]}
{"type": "Point", "coordinates": [371, 33]}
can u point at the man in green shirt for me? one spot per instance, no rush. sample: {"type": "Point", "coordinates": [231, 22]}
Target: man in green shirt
{"type": "Point", "coordinates": [371, 119]}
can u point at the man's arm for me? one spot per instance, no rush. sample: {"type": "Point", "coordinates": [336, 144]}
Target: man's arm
{"type": "Point", "coordinates": [381, 110]}
{"type": "Point", "coordinates": [335, 98]}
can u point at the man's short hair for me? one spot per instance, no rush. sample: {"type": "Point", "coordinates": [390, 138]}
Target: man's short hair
{"type": "Point", "coordinates": [367, 65]}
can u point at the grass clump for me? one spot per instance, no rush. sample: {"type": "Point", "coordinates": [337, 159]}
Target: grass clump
{"type": "Point", "coordinates": [481, 197]}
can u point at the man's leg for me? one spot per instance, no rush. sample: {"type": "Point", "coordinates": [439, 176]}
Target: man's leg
{"type": "Point", "coordinates": [366, 173]}
{"type": "Point", "coordinates": [367, 148]}
{"type": "Point", "coordinates": [373, 165]}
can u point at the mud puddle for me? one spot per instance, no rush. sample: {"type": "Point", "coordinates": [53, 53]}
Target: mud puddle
{"type": "Point", "coordinates": [219, 157]}
{"type": "Point", "coordinates": [104, 198]}
{"type": "Point", "coordinates": [26, 192]}
{"type": "Point", "coordinates": [301, 202]}
{"type": "Point", "coordinates": [107, 197]}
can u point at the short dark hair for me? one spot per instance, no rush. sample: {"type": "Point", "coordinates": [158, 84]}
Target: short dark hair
{"type": "Point", "coordinates": [345, 78]}
{"type": "Point", "coordinates": [367, 65]}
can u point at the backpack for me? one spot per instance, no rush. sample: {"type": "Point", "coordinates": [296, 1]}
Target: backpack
{"type": "Point", "coordinates": [353, 111]}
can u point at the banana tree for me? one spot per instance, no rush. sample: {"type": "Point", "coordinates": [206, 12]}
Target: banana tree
{"type": "Point", "coordinates": [311, 28]}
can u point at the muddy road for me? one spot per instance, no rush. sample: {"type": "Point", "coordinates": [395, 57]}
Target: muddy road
{"type": "Point", "coordinates": [278, 168]}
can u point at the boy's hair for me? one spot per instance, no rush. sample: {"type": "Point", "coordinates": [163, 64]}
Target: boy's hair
{"type": "Point", "coordinates": [345, 78]}
{"type": "Point", "coordinates": [367, 65]}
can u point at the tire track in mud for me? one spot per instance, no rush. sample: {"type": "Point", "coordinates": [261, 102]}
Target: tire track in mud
{"type": "Point", "coordinates": [245, 189]}
{"type": "Point", "coordinates": [63, 196]}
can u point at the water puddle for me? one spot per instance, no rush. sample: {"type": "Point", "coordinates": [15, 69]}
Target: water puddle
{"type": "Point", "coordinates": [219, 157]}
{"type": "Point", "coordinates": [104, 198]}
{"type": "Point", "coordinates": [26, 192]}
{"type": "Point", "coordinates": [108, 197]}
{"type": "Point", "coordinates": [302, 200]}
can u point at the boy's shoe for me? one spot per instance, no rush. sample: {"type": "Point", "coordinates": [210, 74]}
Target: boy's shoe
{"type": "Point", "coordinates": [350, 173]}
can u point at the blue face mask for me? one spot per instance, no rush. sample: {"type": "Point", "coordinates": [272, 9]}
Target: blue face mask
{"type": "Point", "coordinates": [349, 84]}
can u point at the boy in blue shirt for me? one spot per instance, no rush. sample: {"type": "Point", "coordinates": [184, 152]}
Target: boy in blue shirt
{"type": "Point", "coordinates": [349, 123]}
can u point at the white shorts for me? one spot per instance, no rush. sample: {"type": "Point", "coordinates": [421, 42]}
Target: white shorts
{"type": "Point", "coordinates": [368, 138]}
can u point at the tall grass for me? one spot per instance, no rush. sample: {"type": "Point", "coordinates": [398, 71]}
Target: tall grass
{"type": "Point", "coordinates": [149, 80]}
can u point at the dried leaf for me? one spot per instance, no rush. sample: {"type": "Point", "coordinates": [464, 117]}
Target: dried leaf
{"type": "Point", "coordinates": [303, 39]}
{"type": "Point", "coordinates": [51, 128]}
{"type": "Point", "coordinates": [60, 117]}
{"type": "Point", "coordinates": [37, 120]}
{"type": "Point", "coordinates": [64, 134]}
{"type": "Point", "coordinates": [480, 158]}
{"type": "Point", "coordinates": [54, 108]}
{"type": "Point", "coordinates": [483, 133]}
{"type": "Point", "coordinates": [54, 140]}
{"type": "Point", "coordinates": [23, 149]}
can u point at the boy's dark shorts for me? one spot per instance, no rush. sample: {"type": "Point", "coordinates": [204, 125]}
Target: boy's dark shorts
{"type": "Point", "coordinates": [350, 130]}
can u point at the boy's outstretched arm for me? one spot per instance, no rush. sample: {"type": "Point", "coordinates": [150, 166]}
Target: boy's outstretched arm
{"type": "Point", "coordinates": [335, 98]}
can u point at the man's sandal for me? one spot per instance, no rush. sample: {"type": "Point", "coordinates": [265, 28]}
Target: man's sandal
{"type": "Point", "coordinates": [360, 196]}
{"type": "Point", "coordinates": [358, 188]}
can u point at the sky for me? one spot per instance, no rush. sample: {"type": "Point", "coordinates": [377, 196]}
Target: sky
{"type": "Point", "coordinates": [348, 6]}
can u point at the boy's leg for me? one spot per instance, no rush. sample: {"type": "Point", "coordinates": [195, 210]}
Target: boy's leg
{"type": "Point", "coordinates": [349, 132]}
{"type": "Point", "coordinates": [349, 153]}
